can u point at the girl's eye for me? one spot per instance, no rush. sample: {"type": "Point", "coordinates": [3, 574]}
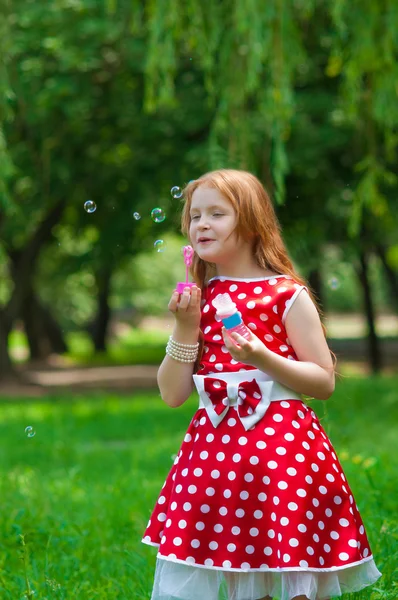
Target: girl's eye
{"type": "Point", "coordinates": [195, 217]}
{"type": "Point", "coordinates": [218, 215]}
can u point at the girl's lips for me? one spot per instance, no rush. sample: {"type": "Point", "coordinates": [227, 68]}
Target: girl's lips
{"type": "Point", "coordinates": [205, 241]}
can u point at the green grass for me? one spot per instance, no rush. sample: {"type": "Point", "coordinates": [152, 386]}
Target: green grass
{"type": "Point", "coordinates": [81, 490]}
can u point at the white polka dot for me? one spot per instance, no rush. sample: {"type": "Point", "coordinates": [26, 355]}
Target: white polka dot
{"type": "Point", "coordinates": [321, 560]}
{"type": "Point", "coordinates": [302, 493]}
{"type": "Point", "coordinates": [254, 531]}
{"type": "Point", "coordinates": [365, 552]}
{"type": "Point", "coordinates": [233, 287]}
{"type": "Point", "coordinates": [268, 337]}
{"type": "Point", "coordinates": [286, 558]}
{"type": "Point", "coordinates": [231, 421]}
{"type": "Point", "coordinates": [209, 562]}
{"type": "Point", "coordinates": [343, 556]}
{"type": "Point", "coordinates": [262, 497]}
{"type": "Point", "coordinates": [311, 434]}
{"type": "Point", "coordinates": [248, 477]}
{"type": "Point", "coordinates": [195, 543]}
{"type": "Point", "coordinates": [261, 445]}
{"type": "Point", "coordinates": [300, 458]}
{"type": "Point", "coordinates": [204, 454]}
{"type": "Point", "coordinates": [162, 516]}
{"type": "Point", "coordinates": [254, 460]}
{"type": "Point", "coordinates": [258, 289]}
{"type": "Point", "coordinates": [281, 451]}
{"type": "Point", "coordinates": [326, 547]}
{"type": "Point", "coordinates": [308, 479]}
{"type": "Point", "coordinates": [322, 489]}
{"type": "Point", "coordinates": [361, 530]}
{"type": "Point", "coordinates": [334, 535]}
{"type": "Point", "coordinates": [267, 551]}
{"type": "Point", "coordinates": [177, 541]}
{"type": "Point", "coordinates": [291, 471]}
{"type": "Point", "coordinates": [328, 512]}
{"type": "Point", "coordinates": [231, 547]}
{"type": "Point", "coordinates": [232, 475]}
{"type": "Point", "coordinates": [283, 348]}
{"type": "Point", "coordinates": [187, 437]}
{"type": "Point", "coordinates": [225, 439]}
{"type": "Point", "coordinates": [240, 513]}
{"type": "Point", "coordinates": [301, 414]}
{"type": "Point", "coordinates": [192, 489]}
{"type": "Point", "coordinates": [285, 404]}
{"type": "Point", "coordinates": [278, 418]}
{"type": "Point", "coordinates": [289, 437]}
{"type": "Point", "coordinates": [284, 521]}
{"type": "Point", "coordinates": [352, 543]}
{"type": "Point", "coordinates": [220, 456]}
{"type": "Point", "coordinates": [173, 505]}
{"type": "Point", "coordinates": [269, 431]}
{"type": "Point", "coordinates": [244, 495]}
{"type": "Point", "coordinates": [264, 317]}
{"type": "Point", "coordinates": [310, 550]}
{"type": "Point", "coordinates": [329, 477]}
{"type": "Point", "coordinates": [315, 467]}
{"type": "Point", "coordinates": [315, 537]}
{"type": "Point", "coordinates": [271, 533]}
{"type": "Point", "coordinates": [292, 506]}
{"type": "Point", "coordinates": [315, 501]}
{"type": "Point", "coordinates": [184, 472]}
{"type": "Point", "coordinates": [251, 304]}
{"type": "Point", "coordinates": [282, 485]}
{"type": "Point", "coordinates": [249, 549]}
{"type": "Point", "coordinates": [302, 528]}
{"type": "Point", "coordinates": [227, 493]}
{"type": "Point", "coordinates": [276, 500]}
{"type": "Point", "coordinates": [242, 441]}
{"type": "Point", "coordinates": [296, 425]}
{"type": "Point", "coordinates": [235, 530]}
{"type": "Point", "coordinates": [309, 514]}
{"type": "Point", "coordinates": [272, 464]}
{"type": "Point", "coordinates": [210, 491]}
{"type": "Point", "coordinates": [258, 514]}
{"type": "Point", "coordinates": [344, 522]}
{"type": "Point", "coordinates": [273, 516]}
{"type": "Point", "coordinates": [266, 480]}
{"type": "Point", "coordinates": [305, 445]}
{"type": "Point", "coordinates": [168, 522]}
{"type": "Point", "coordinates": [321, 455]}
{"type": "Point", "coordinates": [162, 499]}
{"type": "Point", "coordinates": [236, 457]}
{"type": "Point", "coordinates": [321, 525]}
{"type": "Point", "coordinates": [213, 545]}
{"type": "Point", "coordinates": [182, 524]}
{"type": "Point", "coordinates": [303, 564]}
{"type": "Point", "coordinates": [205, 508]}
{"type": "Point", "coordinates": [215, 474]}
{"type": "Point", "coordinates": [277, 329]}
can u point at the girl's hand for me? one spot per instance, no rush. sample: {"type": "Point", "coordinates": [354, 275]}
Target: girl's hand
{"type": "Point", "coordinates": [249, 352]}
{"type": "Point", "coordinates": [186, 307]}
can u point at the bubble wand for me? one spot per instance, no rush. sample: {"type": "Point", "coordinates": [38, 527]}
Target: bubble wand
{"type": "Point", "coordinates": [188, 257]}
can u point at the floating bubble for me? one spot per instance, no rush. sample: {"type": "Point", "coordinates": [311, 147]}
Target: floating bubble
{"type": "Point", "coordinates": [176, 192]}
{"type": "Point", "coordinates": [90, 206]}
{"type": "Point", "coordinates": [137, 216]}
{"type": "Point", "coordinates": [159, 246]}
{"type": "Point", "coordinates": [334, 283]}
{"type": "Point", "coordinates": [158, 215]}
{"type": "Point", "coordinates": [30, 432]}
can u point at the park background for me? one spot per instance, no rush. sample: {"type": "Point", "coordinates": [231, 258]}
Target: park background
{"type": "Point", "coordinates": [115, 102]}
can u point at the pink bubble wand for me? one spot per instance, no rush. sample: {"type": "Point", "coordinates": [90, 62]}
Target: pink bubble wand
{"type": "Point", "coordinates": [188, 257]}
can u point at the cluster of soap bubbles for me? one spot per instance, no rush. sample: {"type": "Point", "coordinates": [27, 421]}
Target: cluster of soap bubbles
{"type": "Point", "coordinates": [158, 215]}
{"type": "Point", "coordinates": [30, 432]}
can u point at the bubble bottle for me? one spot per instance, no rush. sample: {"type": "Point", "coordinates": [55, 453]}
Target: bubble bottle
{"type": "Point", "coordinates": [188, 256]}
{"type": "Point", "coordinates": [226, 311]}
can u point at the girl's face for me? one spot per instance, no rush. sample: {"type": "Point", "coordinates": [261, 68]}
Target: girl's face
{"type": "Point", "coordinates": [212, 228]}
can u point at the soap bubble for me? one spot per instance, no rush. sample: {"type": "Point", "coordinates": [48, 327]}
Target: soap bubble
{"type": "Point", "coordinates": [90, 206]}
{"type": "Point", "coordinates": [137, 216]}
{"type": "Point", "coordinates": [30, 432]}
{"type": "Point", "coordinates": [176, 192]}
{"type": "Point", "coordinates": [158, 215]}
{"type": "Point", "coordinates": [159, 245]}
{"type": "Point", "coordinates": [334, 283]}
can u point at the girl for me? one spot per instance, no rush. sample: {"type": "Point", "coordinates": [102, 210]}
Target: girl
{"type": "Point", "coordinates": [256, 502]}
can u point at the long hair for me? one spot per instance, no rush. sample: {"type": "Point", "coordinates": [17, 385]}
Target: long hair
{"type": "Point", "coordinates": [256, 221]}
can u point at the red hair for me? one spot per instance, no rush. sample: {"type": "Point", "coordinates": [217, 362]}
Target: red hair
{"type": "Point", "coordinates": [257, 221]}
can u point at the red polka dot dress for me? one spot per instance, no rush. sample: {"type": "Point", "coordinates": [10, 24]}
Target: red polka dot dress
{"type": "Point", "coordinates": [255, 507]}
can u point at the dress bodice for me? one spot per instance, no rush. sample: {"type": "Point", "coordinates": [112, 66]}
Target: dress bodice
{"type": "Point", "coordinates": [263, 304]}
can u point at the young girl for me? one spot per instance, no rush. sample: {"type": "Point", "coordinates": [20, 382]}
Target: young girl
{"type": "Point", "coordinates": [256, 502]}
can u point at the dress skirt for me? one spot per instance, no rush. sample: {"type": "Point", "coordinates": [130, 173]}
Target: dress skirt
{"type": "Point", "coordinates": [267, 511]}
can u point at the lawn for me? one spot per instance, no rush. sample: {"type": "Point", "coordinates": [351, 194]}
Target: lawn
{"type": "Point", "coordinates": [77, 495]}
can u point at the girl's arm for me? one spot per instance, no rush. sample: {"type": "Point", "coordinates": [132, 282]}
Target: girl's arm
{"type": "Point", "coordinates": [313, 373]}
{"type": "Point", "coordinates": [175, 378]}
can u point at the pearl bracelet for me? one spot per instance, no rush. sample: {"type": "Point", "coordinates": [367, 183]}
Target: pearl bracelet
{"type": "Point", "coordinates": [186, 353]}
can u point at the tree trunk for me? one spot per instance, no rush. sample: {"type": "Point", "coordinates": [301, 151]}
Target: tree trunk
{"type": "Point", "coordinates": [43, 332]}
{"type": "Point", "coordinates": [315, 282]}
{"type": "Point", "coordinates": [7, 370]}
{"type": "Point", "coordinates": [373, 341]}
{"type": "Point", "coordinates": [101, 322]}
{"type": "Point", "coordinates": [391, 275]}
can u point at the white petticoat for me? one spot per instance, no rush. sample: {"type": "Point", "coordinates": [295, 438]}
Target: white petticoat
{"type": "Point", "coordinates": [175, 581]}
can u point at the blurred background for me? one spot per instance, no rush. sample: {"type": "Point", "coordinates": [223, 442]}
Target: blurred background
{"type": "Point", "coordinates": [115, 102]}
{"type": "Point", "coordinates": [105, 106]}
